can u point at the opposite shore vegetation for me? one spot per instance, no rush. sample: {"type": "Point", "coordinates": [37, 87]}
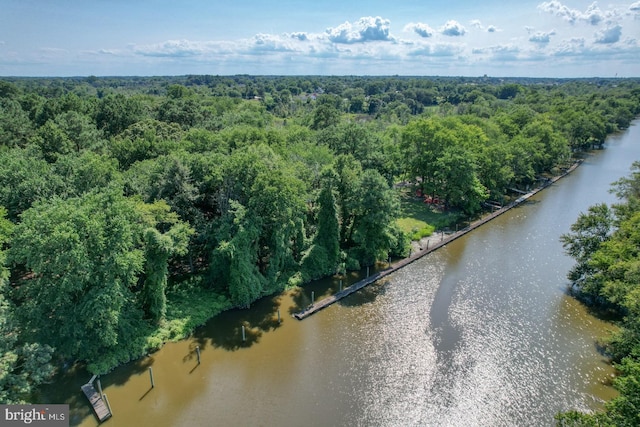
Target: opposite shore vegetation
{"type": "Point", "coordinates": [133, 209]}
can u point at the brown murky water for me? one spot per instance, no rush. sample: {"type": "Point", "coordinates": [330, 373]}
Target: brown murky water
{"type": "Point", "coordinates": [480, 333]}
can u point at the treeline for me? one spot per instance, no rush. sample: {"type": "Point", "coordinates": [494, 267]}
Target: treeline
{"type": "Point", "coordinates": [605, 242]}
{"type": "Point", "coordinates": [134, 209]}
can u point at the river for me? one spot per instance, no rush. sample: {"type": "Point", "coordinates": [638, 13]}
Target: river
{"type": "Point", "coordinates": [478, 333]}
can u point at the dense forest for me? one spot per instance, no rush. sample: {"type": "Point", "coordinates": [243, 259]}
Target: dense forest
{"type": "Point", "coordinates": [133, 209]}
{"type": "Point", "coordinates": [605, 242]}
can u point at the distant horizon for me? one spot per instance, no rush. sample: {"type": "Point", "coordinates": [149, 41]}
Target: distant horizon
{"type": "Point", "coordinates": [527, 39]}
{"type": "Point", "coordinates": [324, 75]}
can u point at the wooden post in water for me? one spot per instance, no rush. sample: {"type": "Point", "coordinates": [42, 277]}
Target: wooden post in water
{"type": "Point", "coordinates": [278, 315]}
{"type": "Point", "coordinates": [244, 336]}
{"type": "Point", "coordinates": [99, 387]}
{"type": "Point", "coordinates": [104, 396]}
{"type": "Point", "coordinates": [313, 297]}
{"type": "Point", "coordinates": [367, 271]}
{"type": "Point", "coordinates": [151, 376]}
{"type": "Point", "coordinates": [198, 353]}
{"type": "Point", "coordinates": [427, 244]}
{"type": "Point", "coordinates": [340, 285]}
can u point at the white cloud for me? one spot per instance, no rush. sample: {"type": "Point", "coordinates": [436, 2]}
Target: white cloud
{"type": "Point", "coordinates": [580, 49]}
{"type": "Point", "coordinates": [593, 15]}
{"type": "Point", "coordinates": [299, 36]}
{"type": "Point", "coordinates": [423, 30]}
{"type": "Point", "coordinates": [499, 52]}
{"type": "Point", "coordinates": [171, 48]}
{"type": "Point", "coordinates": [635, 7]}
{"type": "Point", "coordinates": [364, 30]}
{"type": "Point", "coordinates": [476, 23]}
{"type": "Point", "coordinates": [609, 35]}
{"type": "Point", "coordinates": [572, 47]}
{"type": "Point", "coordinates": [453, 28]}
{"type": "Point", "coordinates": [368, 44]}
{"type": "Point", "coordinates": [436, 50]}
{"type": "Point", "coordinates": [542, 37]}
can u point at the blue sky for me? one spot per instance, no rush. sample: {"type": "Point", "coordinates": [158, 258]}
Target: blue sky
{"type": "Point", "coordinates": [347, 37]}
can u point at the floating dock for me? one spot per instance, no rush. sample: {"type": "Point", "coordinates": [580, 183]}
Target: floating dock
{"type": "Point", "coordinates": [97, 401]}
{"type": "Point", "coordinates": [313, 308]}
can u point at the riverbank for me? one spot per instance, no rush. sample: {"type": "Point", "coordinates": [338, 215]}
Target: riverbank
{"type": "Point", "coordinates": [516, 350]}
{"type": "Point", "coordinates": [427, 246]}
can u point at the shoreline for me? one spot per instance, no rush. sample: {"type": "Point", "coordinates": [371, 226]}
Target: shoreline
{"type": "Point", "coordinates": [430, 247]}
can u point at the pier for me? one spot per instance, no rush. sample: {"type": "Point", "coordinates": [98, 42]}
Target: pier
{"type": "Point", "coordinates": [97, 400]}
{"type": "Point", "coordinates": [315, 307]}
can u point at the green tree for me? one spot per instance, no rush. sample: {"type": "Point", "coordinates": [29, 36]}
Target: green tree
{"type": "Point", "coordinates": [80, 130]}
{"type": "Point", "coordinates": [85, 172]}
{"type": "Point", "coordinates": [588, 233]}
{"type": "Point", "coordinates": [323, 255]}
{"type": "Point", "coordinates": [159, 248]}
{"type": "Point", "coordinates": [328, 231]}
{"type": "Point", "coordinates": [348, 186]}
{"type": "Point", "coordinates": [234, 260]}
{"type": "Point", "coordinates": [24, 178]}
{"type": "Point", "coordinates": [115, 113]}
{"type": "Point", "coordinates": [86, 256]}
{"type": "Point", "coordinates": [23, 365]}
{"type": "Point", "coordinates": [268, 214]}
{"type": "Point", "coordinates": [423, 142]}
{"type": "Point", "coordinates": [373, 225]}
{"type": "Point", "coordinates": [362, 142]}
{"type": "Point", "coordinates": [605, 245]}
{"type": "Point", "coordinates": [457, 181]}
{"type": "Point", "coordinates": [15, 126]}
{"type": "Point", "coordinates": [623, 410]}
{"type": "Point", "coordinates": [147, 139]}
{"type": "Point", "coordinates": [53, 141]}
{"type": "Point", "coordinates": [325, 115]}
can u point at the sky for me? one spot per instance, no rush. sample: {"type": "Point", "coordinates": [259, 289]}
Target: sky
{"type": "Point", "coordinates": [334, 37]}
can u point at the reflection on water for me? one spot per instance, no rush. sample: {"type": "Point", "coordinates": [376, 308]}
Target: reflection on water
{"type": "Point", "coordinates": [479, 333]}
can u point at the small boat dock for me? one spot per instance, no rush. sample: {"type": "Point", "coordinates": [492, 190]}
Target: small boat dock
{"type": "Point", "coordinates": [97, 400]}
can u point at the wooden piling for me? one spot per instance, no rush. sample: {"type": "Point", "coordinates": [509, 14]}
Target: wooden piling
{"type": "Point", "coordinates": [108, 405]}
{"type": "Point", "coordinates": [100, 388]}
{"type": "Point", "coordinates": [198, 353]}
{"type": "Point", "coordinates": [151, 377]}
{"type": "Point", "coordinates": [244, 336]}
{"type": "Point", "coordinates": [313, 297]}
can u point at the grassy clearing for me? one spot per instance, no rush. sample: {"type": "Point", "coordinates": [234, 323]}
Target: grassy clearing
{"type": "Point", "coordinates": [419, 219]}
{"type": "Point", "coordinates": [188, 306]}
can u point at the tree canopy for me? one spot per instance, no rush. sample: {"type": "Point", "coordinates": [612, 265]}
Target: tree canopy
{"type": "Point", "coordinates": [127, 202]}
{"type": "Point", "coordinates": [605, 243]}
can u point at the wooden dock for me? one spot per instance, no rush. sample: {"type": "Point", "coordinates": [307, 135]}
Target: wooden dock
{"type": "Point", "coordinates": [313, 308]}
{"type": "Point", "coordinates": [97, 402]}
